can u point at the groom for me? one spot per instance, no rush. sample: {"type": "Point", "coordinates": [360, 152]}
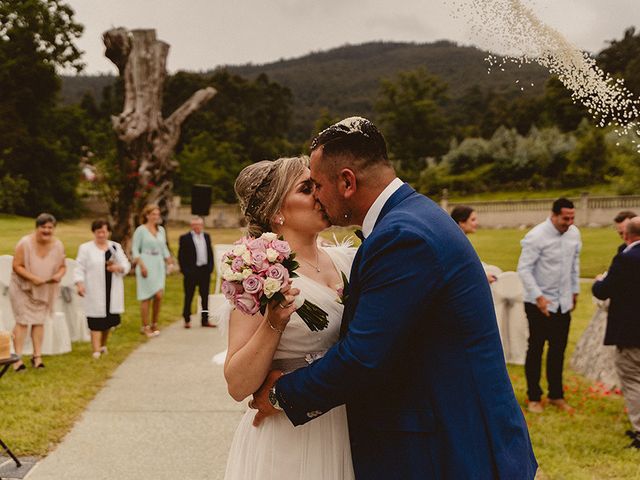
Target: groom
{"type": "Point", "coordinates": [419, 365]}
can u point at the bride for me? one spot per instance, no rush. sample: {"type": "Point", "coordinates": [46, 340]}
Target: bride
{"type": "Point", "coordinates": [278, 196]}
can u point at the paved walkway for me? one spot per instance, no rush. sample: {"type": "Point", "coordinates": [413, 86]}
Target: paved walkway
{"type": "Point", "coordinates": [165, 414]}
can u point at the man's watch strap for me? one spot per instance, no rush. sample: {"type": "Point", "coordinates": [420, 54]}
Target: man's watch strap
{"type": "Point", "coordinates": [273, 399]}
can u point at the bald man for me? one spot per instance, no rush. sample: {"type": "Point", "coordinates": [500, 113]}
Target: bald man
{"type": "Point", "coordinates": [622, 285]}
{"type": "Point", "coordinates": [196, 263]}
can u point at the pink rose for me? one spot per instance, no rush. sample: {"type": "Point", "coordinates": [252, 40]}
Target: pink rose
{"type": "Point", "coordinates": [257, 245]}
{"type": "Point", "coordinates": [282, 247]}
{"type": "Point", "coordinates": [278, 272]}
{"type": "Point", "coordinates": [253, 285]}
{"type": "Point", "coordinates": [230, 289]}
{"type": "Point", "coordinates": [247, 303]}
{"type": "Point", "coordinates": [259, 261]}
{"type": "Point", "coordinates": [237, 265]}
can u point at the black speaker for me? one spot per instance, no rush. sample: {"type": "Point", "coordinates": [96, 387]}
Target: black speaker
{"type": "Point", "coordinates": [200, 200]}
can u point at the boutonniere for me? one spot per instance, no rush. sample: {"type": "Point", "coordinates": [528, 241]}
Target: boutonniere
{"type": "Point", "coordinates": [343, 291]}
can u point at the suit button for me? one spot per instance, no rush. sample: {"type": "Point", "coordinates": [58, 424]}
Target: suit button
{"type": "Point", "coordinates": [314, 414]}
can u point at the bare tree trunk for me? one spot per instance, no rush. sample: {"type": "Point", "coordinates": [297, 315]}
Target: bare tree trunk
{"type": "Point", "coordinates": [145, 140]}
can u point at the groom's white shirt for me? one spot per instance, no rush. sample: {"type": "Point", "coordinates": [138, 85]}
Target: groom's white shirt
{"type": "Point", "coordinates": [373, 213]}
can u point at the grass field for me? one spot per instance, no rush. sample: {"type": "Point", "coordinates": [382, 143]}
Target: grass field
{"type": "Point", "coordinates": [39, 407]}
{"type": "Point", "coordinates": [594, 190]}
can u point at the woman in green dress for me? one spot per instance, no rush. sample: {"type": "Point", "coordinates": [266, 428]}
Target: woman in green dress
{"type": "Point", "coordinates": [150, 256]}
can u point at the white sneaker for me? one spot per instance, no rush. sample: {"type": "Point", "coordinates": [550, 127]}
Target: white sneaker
{"type": "Point", "coordinates": [96, 355]}
{"type": "Point", "coordinates": [104, 350]}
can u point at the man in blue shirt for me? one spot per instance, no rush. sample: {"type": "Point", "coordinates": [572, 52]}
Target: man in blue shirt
{"type": "Point", "coordinates": [549, 267]}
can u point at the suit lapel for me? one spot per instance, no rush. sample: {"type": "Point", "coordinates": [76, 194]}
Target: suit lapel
{"type": "Point", "coordinates": [398, 196]}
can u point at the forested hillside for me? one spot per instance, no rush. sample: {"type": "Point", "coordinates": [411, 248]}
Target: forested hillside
{"type": "Point", "coordinates": [346, 81]}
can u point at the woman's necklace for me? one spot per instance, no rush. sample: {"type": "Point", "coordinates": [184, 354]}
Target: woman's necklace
{"type": "Point", "coordinates": [316, 266]}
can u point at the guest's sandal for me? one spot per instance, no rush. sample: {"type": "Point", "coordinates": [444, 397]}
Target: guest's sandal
{"type": "Point", "coordinates": [38, 364]}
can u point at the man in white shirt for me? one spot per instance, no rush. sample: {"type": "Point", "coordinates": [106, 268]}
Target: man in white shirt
{"type": "Point", "coordinates": [196, 263]}
{"type": "Point", "coordinates": [549, 267]}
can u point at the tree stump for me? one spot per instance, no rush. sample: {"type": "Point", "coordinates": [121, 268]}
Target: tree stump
{"type": "Point", "coordinates": [591, 357]}
{"type": "Point", "coordinates": [146, 141]}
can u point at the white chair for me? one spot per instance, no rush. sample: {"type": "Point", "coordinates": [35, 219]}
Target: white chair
{"type": "Point", "coordinates": [512, 321]}
{"type": "Point", "coordinates": [69, 304]}
{"type": "Point", "coordinates": [6, 313]}
{"type": "Point", "coordinates": [6, 267]}
{"type": "Point", "coordinates": [216, 299]}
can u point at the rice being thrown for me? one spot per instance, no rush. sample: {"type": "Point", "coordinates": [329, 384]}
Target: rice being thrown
{"type": "Point", "coordinates": [512, 27]}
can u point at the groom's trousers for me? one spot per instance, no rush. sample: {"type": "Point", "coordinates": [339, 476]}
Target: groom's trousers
{"type": "Point", "coordinates": [555, 330]}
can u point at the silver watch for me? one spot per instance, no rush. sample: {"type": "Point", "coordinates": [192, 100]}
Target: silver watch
{"type": "Point", "coordinates": [273, 399]}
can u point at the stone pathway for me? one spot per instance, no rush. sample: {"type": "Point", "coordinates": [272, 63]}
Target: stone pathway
{"type": "Point", "coordinates": [165, 414]}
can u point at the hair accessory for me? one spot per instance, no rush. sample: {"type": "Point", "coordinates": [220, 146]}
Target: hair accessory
{"type": "Point", "coordinates": [250, 206]}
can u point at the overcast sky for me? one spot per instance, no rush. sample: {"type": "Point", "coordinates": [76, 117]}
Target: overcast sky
{"type": "Point", "coordinates": [204, 34]}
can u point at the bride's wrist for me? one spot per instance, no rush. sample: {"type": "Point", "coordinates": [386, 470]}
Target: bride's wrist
{"type": "Point", "coordinates": [275, 327]}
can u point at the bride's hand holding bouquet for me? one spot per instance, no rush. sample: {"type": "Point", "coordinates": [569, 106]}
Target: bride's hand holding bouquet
{"type": "Point", "coordinates": [256, 273]}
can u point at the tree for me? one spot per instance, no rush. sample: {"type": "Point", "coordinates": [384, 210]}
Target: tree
{"type": "Point", "coordinates": [559, 109]}
{"type": "Point", "coordinates": [36, 38]}
{"type": "Point", "coordinates": [588, 161]}
{"type": "Point", "coordinates": [247, 121]}
{"type": "Point", "coordinates": [145, 139]}
{"type": "Point", "coordinates": [622, 59]}
{"type": "Point", "coordinates": [410, 112]}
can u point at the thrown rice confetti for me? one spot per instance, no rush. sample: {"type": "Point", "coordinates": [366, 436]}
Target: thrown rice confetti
{"type": "Point", "coordinates": [510, 27]}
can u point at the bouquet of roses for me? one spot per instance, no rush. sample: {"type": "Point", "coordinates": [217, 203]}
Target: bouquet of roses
{"type": "Point", "coordinates": [255, 271]}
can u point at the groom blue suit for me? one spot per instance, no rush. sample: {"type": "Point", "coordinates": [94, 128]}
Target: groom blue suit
{"type": "Point", "coordinates": [420, 365]}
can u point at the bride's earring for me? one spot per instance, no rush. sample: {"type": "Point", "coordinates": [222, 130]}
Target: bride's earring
{"type": "Point", "coordinates": [281, 221]}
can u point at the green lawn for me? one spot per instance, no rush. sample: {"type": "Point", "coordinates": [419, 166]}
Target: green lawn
{"type": "Point", "coordinates": [594, 190]}
{"type": "Point", "coordinates": [39, 407]}
{"type": "Point", "coordinates": [502, 248]}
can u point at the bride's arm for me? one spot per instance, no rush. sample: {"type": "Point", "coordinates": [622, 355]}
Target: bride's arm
{"type": "Point", "coordinates": [252, 342]}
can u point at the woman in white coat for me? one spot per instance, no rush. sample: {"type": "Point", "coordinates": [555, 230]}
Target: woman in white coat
{"type": "Point", "coordinates": [102, 264]}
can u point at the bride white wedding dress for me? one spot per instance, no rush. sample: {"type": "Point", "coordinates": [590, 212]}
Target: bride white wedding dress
{"type": "Point", "coordinates": [320, 449]}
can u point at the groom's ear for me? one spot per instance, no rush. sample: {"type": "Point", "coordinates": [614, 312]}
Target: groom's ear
{"type": "Point", "coordinates": [347, 183]}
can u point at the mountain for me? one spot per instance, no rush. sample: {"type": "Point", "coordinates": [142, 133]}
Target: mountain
{"type": "Point", "coordinates": [345, 81]}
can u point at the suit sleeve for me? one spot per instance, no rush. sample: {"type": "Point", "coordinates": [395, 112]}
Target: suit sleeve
{"type": "Point", "coordinates": [604, 288]}
{"type": "Point", "coordinates": [182, 261]}
{"type": "Point", "coordinates": [400, 276]}
{"type": "Point", "coordinates": [209, 253]}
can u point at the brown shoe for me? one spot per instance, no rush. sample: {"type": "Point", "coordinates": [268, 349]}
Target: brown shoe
{"type": "Point", "coordinates": [561, 404]}
{"type": "Point", "coordinates": [535, 407]}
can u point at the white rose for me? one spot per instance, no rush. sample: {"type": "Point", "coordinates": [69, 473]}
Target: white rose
{"type": "Point", "coordinates": [272, 255]}
{"type": "Point", "coordinates": [271, 286]}
{"type": "Point", "coordinates": [246, 256]}
{"type": "Point", "coordinates": [246, 273]}
{"type": "Point", "coordinates": [226, 272]}
{"type": "Point", "coordinates": [238, 276]}
{"type": "Point", "coordinates": [268, 236]}
{"type": "Point", "coordinates": [239, 250]}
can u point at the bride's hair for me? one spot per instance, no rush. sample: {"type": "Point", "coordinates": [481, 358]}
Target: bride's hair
{"type": "Point", "coordinates": [262, 187]}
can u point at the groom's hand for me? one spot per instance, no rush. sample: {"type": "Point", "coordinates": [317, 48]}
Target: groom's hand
{"type": "Point", "coordinates": [261, 398]}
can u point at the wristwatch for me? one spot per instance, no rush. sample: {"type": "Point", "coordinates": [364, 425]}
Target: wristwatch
{"type": "Point", "coordinates": [273, 399]}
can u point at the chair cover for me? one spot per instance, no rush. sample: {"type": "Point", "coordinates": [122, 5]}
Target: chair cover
{"type": "Point", "coordinates": [512, 321]}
